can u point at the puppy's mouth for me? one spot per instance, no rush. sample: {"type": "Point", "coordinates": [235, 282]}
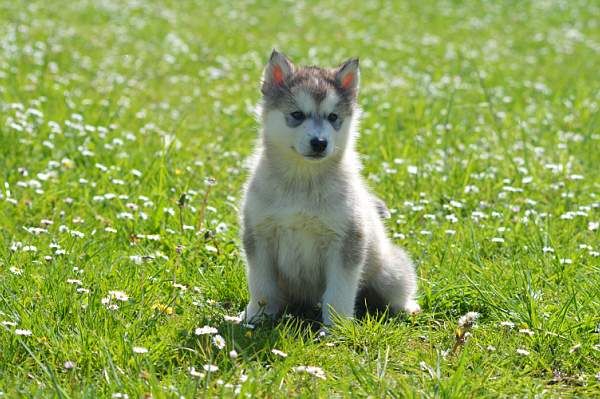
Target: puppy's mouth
{"type": "Point", "coordinates": [312, 157]}
{"type": "Point", "coordinates": [315, 156]}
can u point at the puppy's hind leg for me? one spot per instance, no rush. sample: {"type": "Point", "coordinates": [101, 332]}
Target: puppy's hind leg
{"type": "Point", "coordinates": [395, 282]}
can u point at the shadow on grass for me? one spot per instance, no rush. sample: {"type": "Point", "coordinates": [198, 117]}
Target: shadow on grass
{"type": "Point", "coordinates": [303, 324]}
{"type": "Point", "coordinates": [298, 325]}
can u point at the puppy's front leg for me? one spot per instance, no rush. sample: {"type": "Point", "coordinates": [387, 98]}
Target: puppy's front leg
{"type": "Point", "coordinates": [265, 296]}
{"type": "Point", "coordinates": [342, 278]}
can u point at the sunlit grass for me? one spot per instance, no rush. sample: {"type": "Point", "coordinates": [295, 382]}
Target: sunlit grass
{"type": "Point", "coordinates": [480, 130]}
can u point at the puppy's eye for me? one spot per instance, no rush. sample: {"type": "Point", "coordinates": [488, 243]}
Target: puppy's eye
{"type": "Point", "coordinates": [332, 117]}
{"type": "Point", "coordinates": [298, 115]}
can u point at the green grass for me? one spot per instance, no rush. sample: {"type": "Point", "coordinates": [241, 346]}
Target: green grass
{"type": "Point", "coordinates": [111, 111]}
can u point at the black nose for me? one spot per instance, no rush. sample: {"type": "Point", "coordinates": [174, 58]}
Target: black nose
{"type": "Point", "coordinates": [318, 145]}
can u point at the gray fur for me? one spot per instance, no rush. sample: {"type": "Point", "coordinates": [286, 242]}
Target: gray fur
{"type": "Point", "coordinates": [249, 242]}
{"type": "Point", "coordinates": [354, 245]}
{"type": "Point", "coordinates": [382, 208]}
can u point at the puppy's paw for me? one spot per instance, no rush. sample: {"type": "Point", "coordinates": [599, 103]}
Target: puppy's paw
{"type": "Point", "coordinates": [323, 333]}
{"type": "Point", "coordinates": [242, 317]}
{"type": "Point", "coordinates": [412, 307]}
{"type": "Point", "coordinates": [257, 314]}
{"type": "Point", "coordinates": [252, 317]}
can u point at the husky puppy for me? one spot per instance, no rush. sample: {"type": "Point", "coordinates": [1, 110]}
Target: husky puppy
{"type": "Point", "coordinates": [311, 230]}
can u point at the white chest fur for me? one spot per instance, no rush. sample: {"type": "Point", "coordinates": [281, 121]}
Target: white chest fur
{"type": "Point", "coordinates": [299, 240]}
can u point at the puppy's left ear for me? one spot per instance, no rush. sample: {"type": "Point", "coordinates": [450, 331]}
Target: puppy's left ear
{"type": "Point", "coordinates": [347, 75]}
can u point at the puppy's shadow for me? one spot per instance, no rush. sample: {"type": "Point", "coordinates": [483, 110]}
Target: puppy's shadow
{"type": "Point", "coordinates": [298, 323]}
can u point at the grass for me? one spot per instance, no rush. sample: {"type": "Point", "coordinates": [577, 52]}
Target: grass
{"type": "Point", "coordinates": [480, 130]}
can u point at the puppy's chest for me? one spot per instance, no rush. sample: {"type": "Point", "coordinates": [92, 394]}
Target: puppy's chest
{"type": "Point", "coordinates": [299, 236]}
{"type": "Point", "coordinates": [300, 240]}
{"type": "Point", "coordinates": [300, 218]}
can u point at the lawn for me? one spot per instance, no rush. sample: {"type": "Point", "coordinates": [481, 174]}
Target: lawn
{"type": "Point", "coordinates": [125, 127]}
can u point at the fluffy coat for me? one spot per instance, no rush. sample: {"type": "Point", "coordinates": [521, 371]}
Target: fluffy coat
{"type": "Point", "coordinates": [311, 230]}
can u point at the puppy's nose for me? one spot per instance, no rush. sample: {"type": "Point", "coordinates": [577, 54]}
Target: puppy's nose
{"type": "Point", "coordinates": [318, 145]}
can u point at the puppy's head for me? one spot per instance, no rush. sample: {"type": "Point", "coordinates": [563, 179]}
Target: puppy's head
{"type": "Point", "coordinates": [308, 111]}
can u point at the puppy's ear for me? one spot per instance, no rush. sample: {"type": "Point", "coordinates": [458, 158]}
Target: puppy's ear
{"type": "Point", "coordinates": [347, 75]}
{"type": "Point", "coordinates": [278, 70]}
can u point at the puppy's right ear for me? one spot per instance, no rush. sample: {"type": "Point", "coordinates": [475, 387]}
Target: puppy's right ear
{"type": "Point", "coordinates": [278, 69]}
{"type": "Point", "coordinates": [347, 75]}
